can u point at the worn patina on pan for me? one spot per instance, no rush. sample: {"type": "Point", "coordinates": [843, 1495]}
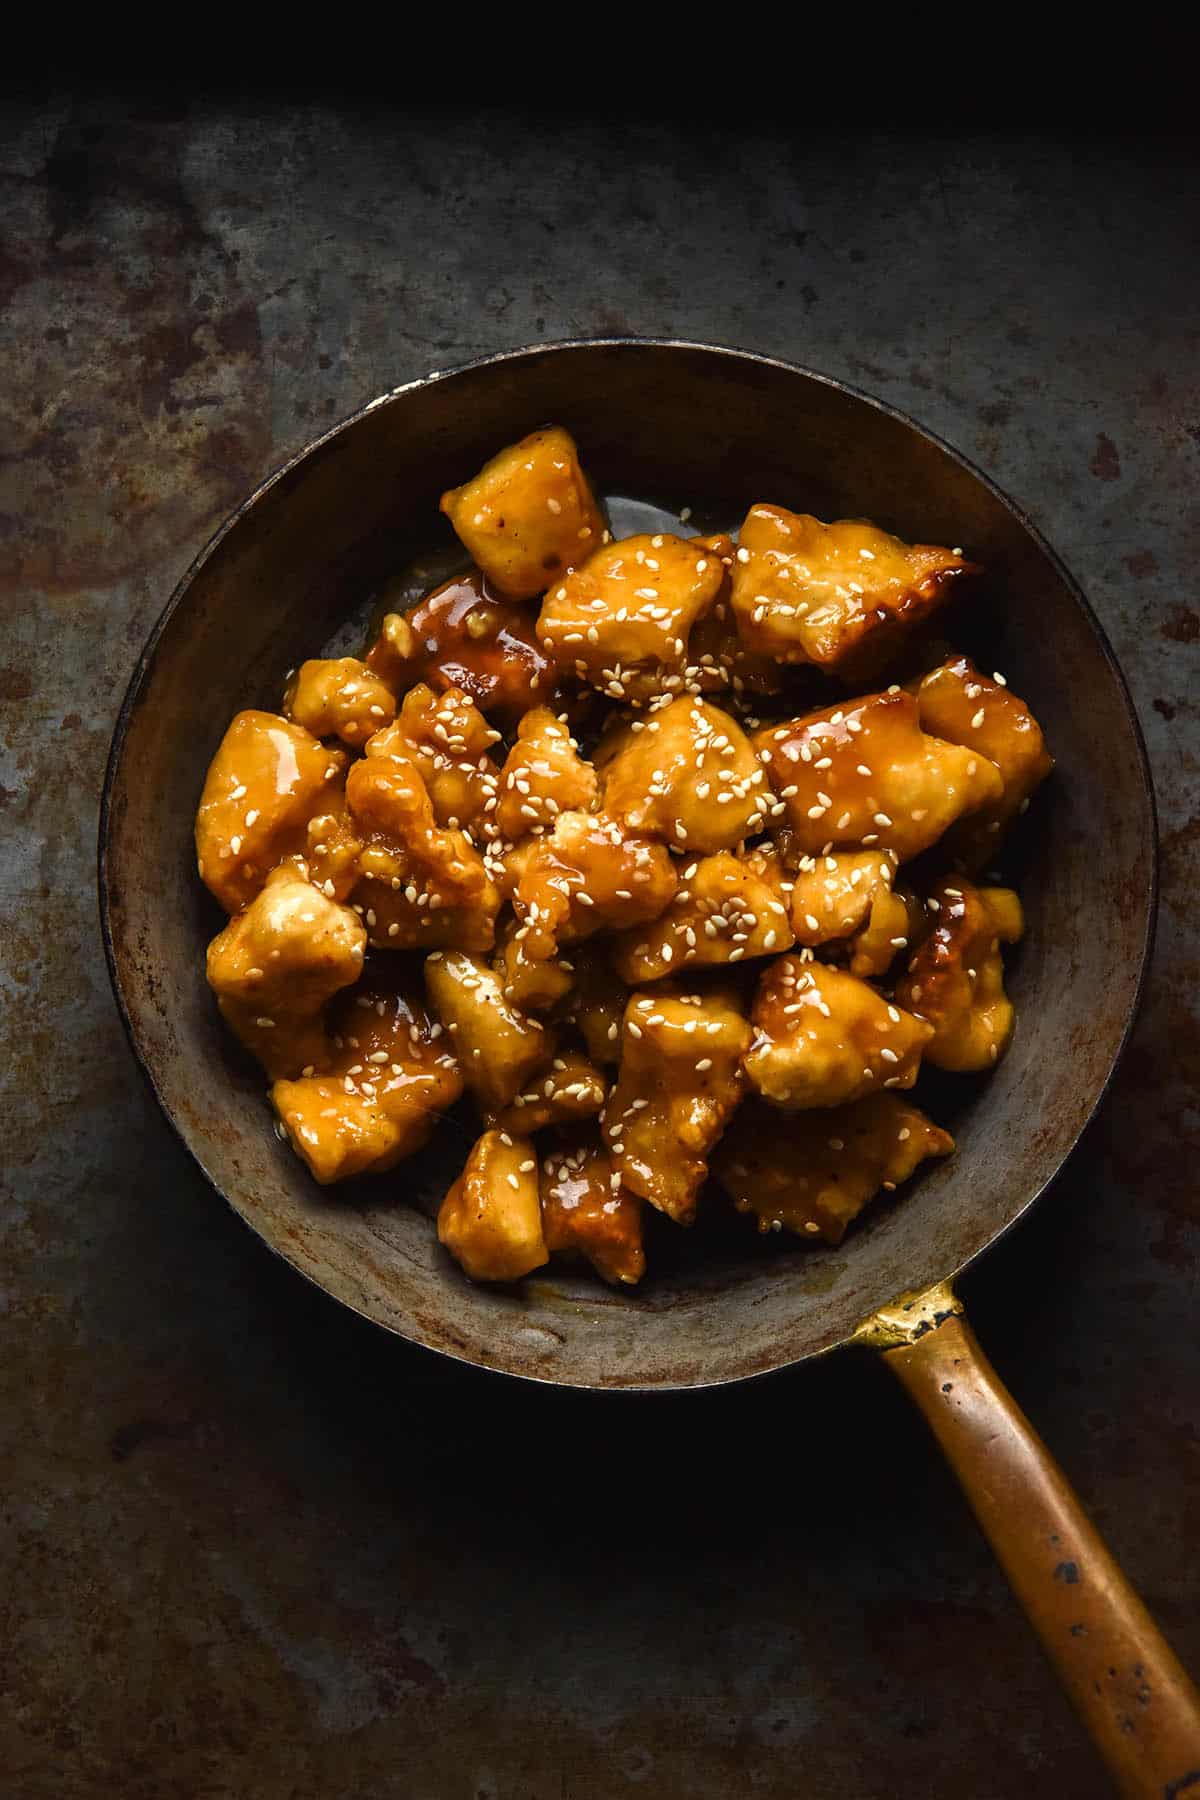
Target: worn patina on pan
{"type": "Point", "coordinates": [714, 430]}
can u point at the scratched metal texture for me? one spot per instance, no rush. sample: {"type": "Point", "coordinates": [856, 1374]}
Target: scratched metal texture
{"type": "Point", "coordinates": [251, 1548]}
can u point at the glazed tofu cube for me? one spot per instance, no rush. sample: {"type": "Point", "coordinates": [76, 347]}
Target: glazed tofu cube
{"type": "Point", "coordinates": [543, 776]}
{"type": "Point", "coordinates": [813, 1172]}
{"type": "Point", "coordinates": [449, 741]}
{"type": "Point", "coordinates": [964, 707]}
{"type": "Point", "coordinates": [266, 781]}
{"type": "Point", "coordinates": [718, 657]}
{"type": "Point", "coordinates": [332, 847]}
{"type": "Point", "coordinates": [840, 596]}
{"type": "Point", "coordinates": [532, 983]}
{"type": "Point", "coordinates": [687, 776]}
{"type": "Point", "coordinates": [338, 696]}
{"type": "Point", "coordinates": [847, 902]}
{"type": "Point", "coordinates": [865, 774]}
{"type": "Point", "coordinates": [497, 1047]}
{"type": "Point", "coordinates": [569, 1087]}
{"type": "Point", "coordinates": [596, 1004]}
{"type": "Point", "coordinates": [679, 1082]}
{"type": "Point", "coordinates": [276, 964]}
{"type": "Point", "coordinates": [491, 1220]}
{"type": "Point", "coordinates": [824, 1038]}
{"type": "Point", "coordinates": [465, 636]}
{"type": "Point", "coordinates": [587, 1213]}
{"type": "Point", "coordinates": [622, 620]}
{"type": "Point", "coordinates": [529, 514]}
{"type": "Point", "coordinates": [586, 876]}
{"type": "Point", "coordinates": [955, 978]}
{"type": "Point", "coordinates": [722, 912]}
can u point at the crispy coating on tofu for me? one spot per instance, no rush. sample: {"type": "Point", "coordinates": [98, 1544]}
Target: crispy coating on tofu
{"type": "Point", "coordinates": [529, 515]}
{"type": "Point", "coordinates": [687, 776]}
{"type": "Point", "coordinates": [277, 963]}
{"type": "Point", "coordinates": [622, 620]}
{"type": "Point", "coordinates": [718, 657]}
{"type": "Point", "coordinates": [265, 782]}
{"type": "Point", "coordinates": [587, 876]}
{"type": "Point", "coordinates": [587, 1213]}
{"type": "Point", "coordinates": [338, 696]}
{"type": "Point", "coordinates": [498, 1048]}
{"type": "Point", "coordinates": [723, 912]}
{"type": "Point", "coordinates": [391, 1075]}
{"type": "Point", "coordinates": [864, 773]}
{"type": "Point", "coordinates": [543, 776]}
{"type": "Point", "coordinates": [955, 978]}
{"type": "Point", "coordinates": [491, 1219]}
{"type": "Point", "coordinates": [678, 1085]}
{"type": "Point", "coordinates": [596, 1004]}
{"type": "Point", "coordinates": [838, 595]}
{"type": "Point", "coordinates": [962, 706]}
{"type": "Point", "coordinates": [533, 983]}
{"type": "Point", "coordinates": [569, 1087]}
{"type": "Point", "coordinates": [846, 901]}
{"type": "Point", "coordinates": [813, 1172]}
{"type": "Point", "coordinates": [449, 741]}
{"type": "Point", "coordinates": [332, 847]}
{"type": "Point", "coordinates": [465, 636]}
{"type": "Point", "coordinates": [823, 1037]}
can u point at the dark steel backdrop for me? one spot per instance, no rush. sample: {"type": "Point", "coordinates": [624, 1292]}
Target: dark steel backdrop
{"type": "Point", "coordinates": [253, 1549]}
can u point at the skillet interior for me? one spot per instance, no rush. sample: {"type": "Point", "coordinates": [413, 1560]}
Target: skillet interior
{"type": "Point", "coordinates": [683, 425]}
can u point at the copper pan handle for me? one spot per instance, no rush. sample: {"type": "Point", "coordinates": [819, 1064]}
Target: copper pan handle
{"type": "Point", "coordinates": [1130, 1689]}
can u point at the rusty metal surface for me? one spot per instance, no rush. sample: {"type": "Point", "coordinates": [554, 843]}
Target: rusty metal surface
{"type": "Point", "coordinates": [251, 1547]}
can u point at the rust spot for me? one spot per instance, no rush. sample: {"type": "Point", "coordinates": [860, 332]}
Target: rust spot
{"type": "Point", "coordinates": [1106, 464]}
{"type": "Point", "coordinates": [1183, 625]}
{"type": "Point", "coordinates": [1142, 562]}
{"type": "Point", "coordinates": [70, 722]}
{"type": "Point", "coordinates": [15, 684]}
{"type": "Point", "coordinates": [1164, 707]}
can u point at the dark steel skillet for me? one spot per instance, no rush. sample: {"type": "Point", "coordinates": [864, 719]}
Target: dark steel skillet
{"type": "Point", "coordinates": [714, 429]}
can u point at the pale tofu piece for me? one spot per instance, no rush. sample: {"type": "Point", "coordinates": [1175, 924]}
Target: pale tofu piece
{"type": "Point", "coordinates": [338, 696]}
{"type": "Point", "coordinates": [497, 1047]}
{"type": "Point", "coordinates": [840, 596]}
{"type": "Point", "coordinates": [719, 659]}
{"type": "Point", "coordinates": [543, 776]}
{"type": "Point", "coordinates": [420, 887]}
{"type": "Point", "coordinates": [567, 1088]}
{"type": "Point", "coordinates": [955, 978]}
{"type": "Point", "coordinates": [686, 776]}
{"type": "Point", "coordinates": [587, 1213]}
{"type": "Point", "coordinates": [332, 847]}
{"type": "Point", "coordinates": [679, 1082]}
{"type": "Point", "coordinates": [824, 1038]}
{"type": "Point", "coordinates": [531, 983]}
{"type": "Point", "coordinates": [449, 741]}
{"type": "Point", "coordinates": [587, 876]}
{"type": "Point", "coordinates": [863, 773]}
{"type": "Point", "coordinates": [463, 635]}
{"type": "Point", "coordinates": [277, 963]}
{"type": "Point", "coordinates": [265, 782]}
{"type": "Point", "coordinates": [529, 515]}
{"type": "Point", "coordinates": [813, 1172]}
{"type": "Point", "coordinates": [391, 1076]}
{"type": "Point", "coordinates": [622, 620]}
{"type": "Point", "coordinates": [596, 1004]}
{"type": "Point", "coordinates": [491, 1220]}
{"type": "Point", "coordinates": [722, 912]}
{"type": "Point", "coordinates": [964, 707]}
{"type": "Point", "coordinates": [846, 902]}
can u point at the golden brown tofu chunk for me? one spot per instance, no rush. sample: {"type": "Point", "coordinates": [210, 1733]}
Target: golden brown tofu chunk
{"type": "Point", "coordinates": [813, 1172]}
{"type": "Point", "coordinates": [847, 901]}
{"type": "Point", "coordinates": [864, 773]}
{"type": "Point", "coordinates": [955, 978]}
{"type": "Point", "coordinates": [491, 1220]}
{"type": "Point", "coordinates": [391, 1076]}
{"type": "Point", "coordinates": [964, 707]}
{"type": "Point", "coordinates": [338, 696]}
{"type": "Point", "coordinates": [276, 964]}
{"type": "Point", "coordinates": [687, 776]}
{"type": "Point", "coordinates": [568, 1087]}
{"type": "Point", "coordinates": [266, 781]}
{"type": "Point", "coordinates": [622, 620]}
{"type": "Point", "coordinates": [587, 876]}
{"type": "Point", "coordinates": [722, 912]}
{"type": "Point", "coordinates": [679, 1082]}
{"type": "Point", "coordinates": [465, 636]}
{"type": "Point", "coordinates": [587, 1213]}
{"type": "Point", "coordinates": [823, 1037]}
{"type": "Point", "coordinates": [529, 514]}
{"type": "Point", "coordinates": [717, 655]}
{"type": "Point", "coordinates": [331, 849]}
{"type": "Point", "coordinates": [497, 1047]}
{"type": "Point", "coordinates": [449, 741]}
{"type": "Point", "coordinates": [421, 887]}
{"type": "Point", "coordinates": [596, 1004]}
{"type": "Point", "coordinates": [837, 595]}
{"type": "Point", "coordinates": [543, 776]}
{"type": "Point", "coordinates": [531, 983]}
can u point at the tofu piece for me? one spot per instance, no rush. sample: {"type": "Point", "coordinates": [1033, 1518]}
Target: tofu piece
{"type": "Point", "coordinates": [491, 1219]}
{"type": "Point", "coordinates": [391, 1076]}
{"type": "Point", "coordinates": [265, 782]}
{"type": "Point", "coordinates": [276, 964]}
{"type": "Point", "coordinates": [596, 1004]}
{"type": "Point", "coordinates": [585, 876]}
{"type": "Point", "coordinates": [824, 1038]}
{"type": "Point", "coordinates": [529, 515]}
{"type": "Point", "coordinates": [531, 983]}
{"type": "Point", "coordinates": [679, 1083]}
{"type": "Point", "coordinates": [719, 658]}
{"type": "Point", "coordinates": [722, 912]}
{"type": "Point", "coordinates": [686, 776]}
{"type": "Point", "coordinates": [622, 620]}
{"type": "Point", "coordinates": [465, 636]}
{"type": "Point", "coordinates": [497, 1047]}
{"type": "Point", "coordinates": [846, 902]}
{"type": "Point", "coordinates": [841, 596]}
{"type": "Point", "coordinates": [568, 1088]}
{"type": "Point", "coordinates": [420, 887]}
{"type": "Point", "coordinates": [543, 776]}
{"type": "Point", "coordinates": [332, 847]}
{"type": "Point", "coordinates": [338, 696]}
{"type": "Point", "coordinates": [962, 706]}
{"type": "Point", "coordinates": [587, 1213]}
{"type": "Point", "coordinates": [813, 1172]}
{"type": "Point", "coordinates": [955, 978]}
{"type": "Point", "coordinates": [449, 742]}
{"type": "Point", "coordinates": [863, 773]}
